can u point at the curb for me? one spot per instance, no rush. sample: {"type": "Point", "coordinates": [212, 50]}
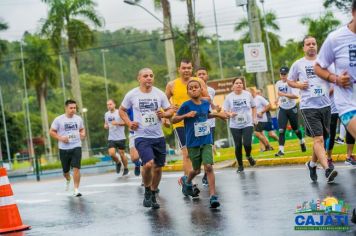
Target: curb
{"type": "Point", "coordinates": [259, 162]}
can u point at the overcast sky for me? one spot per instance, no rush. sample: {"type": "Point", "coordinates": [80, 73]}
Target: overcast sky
{"type": "Point", "coordinates": [24, 15]}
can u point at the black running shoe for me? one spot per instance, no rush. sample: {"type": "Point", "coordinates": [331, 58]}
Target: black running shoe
{"type": "Point", "coordinates": [330, 175]}
{"type": "Point", "coordinates": [137, 171]}
{"type": "Point", "coordinates": [204, 180]}
{"type": "Point", "coordinates": [279, 154]}
{"type": "Point", "coordinates": [303, 147]}
{"type": "Point", "coordinates": [214, 202]}
{"type": "Point", "coordinates": [240, 169]}
{"type": "Point", "coordinates": [126, 172]}
{"type": "Point", "coordinates": [118, 167]}
{"type": "Point", "coordinates": [251, 161]}
{"type": "Point", "coordinates": [269, 148]}
{"type": "Point", "coordinates": [312, 171]}
{"type": "Point", "coordinates": [196, 191]}
{"type": "Point", "coordinates": [187, 189]}
{"type": "Point", "coordinates": [147, 198]}
{"type": "Point", "coordinates": [154, 203]}
{"type": "Point", "coordinates": [330, 163]}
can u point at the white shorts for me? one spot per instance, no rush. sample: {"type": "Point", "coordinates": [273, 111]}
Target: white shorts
{"type": "Point", "coordinates": [132, 138]}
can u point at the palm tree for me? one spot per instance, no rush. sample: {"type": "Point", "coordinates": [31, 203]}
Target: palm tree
{"type": "Point", "coordinates": [41, 73]}
{"type": "Point", "coordinates": [65, 17]}
{"type": "Point", "coordinates": [3, 49]}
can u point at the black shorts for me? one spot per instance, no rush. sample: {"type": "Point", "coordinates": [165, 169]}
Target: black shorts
{"type": "Point", "coordinates": [212, 131]}
{"type": "Point", "coordinates": [70, 158]}
{"type": "Point", "coordinates": [285, 115]}
{"type": "Point", "coordinates": [119, 144]}
{"type": "Point", "coordinates": [317, 121]}
{"type": "Point", "coordinates": [180, 134]}
{"type": "Point", "coordinates": [263, 126]}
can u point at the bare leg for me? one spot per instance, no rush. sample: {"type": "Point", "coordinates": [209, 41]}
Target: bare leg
{"type": "Point", "coordinates": [192, 175]}
{"type": "Point", "coordinates": [187, 164]}
{"type": "Point", "coordinates": [76, 177]}
{"type": "Point", "coordinates": [114, 157]}
{"type": "Point", "coordinates": [123, 158]}
{"type": "Point", "coordinates": [67, 176]}
{"type": "Point", "coordinates": [134, 154]}
{"type": "Point", "coordinates": [262, 138]}
{"type": "Point", "coordinates": [147, 173]}
{"type": "Point", "coordinates": [273, 135]}
{"type": "Point", "coordinates": [319, 151]}
{"type": "Point", "coordinates": [211, 178]}
{"type": "Point", "coordinates": [156, 179]}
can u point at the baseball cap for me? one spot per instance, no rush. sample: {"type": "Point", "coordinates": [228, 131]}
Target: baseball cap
{"type": "Point", "coordinates": [284, 70]}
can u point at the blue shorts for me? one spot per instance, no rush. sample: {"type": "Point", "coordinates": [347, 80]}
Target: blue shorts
{"type": "Point", "coordinates": [180, 134]}
{"type": "Point", "coordinates": [151, 149]}
{"type": "Point", "coordinates": [347, 117]}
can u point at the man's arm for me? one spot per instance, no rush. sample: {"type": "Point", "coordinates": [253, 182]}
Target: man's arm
{"type": "Point", "coordinates": [56, 136]}
{"type": "Point", "coordinates": [82, 133]}
{"type": "Point", "coordinates": [288, 95]}
{"type": "Point", "coordinates": [178, 118]}
{"type": "Point", "coordinates": [221, 115]}
{"type": "Point", "coordinates": [298, 85]}
{"type": "Point", "coordinates": [342, 80]}
{"type": "Point", "coordinates": [125, 117]}
{"type": "Point", "coordinates": [169, 88]}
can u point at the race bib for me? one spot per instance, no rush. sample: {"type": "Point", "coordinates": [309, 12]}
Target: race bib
{"type": "Point", "coordinates": [149, 119]}
{"type": "Point", "coordinates": [201, 129]}
{"type": "Point", "coordinates": [73, 138]}
{"type": "Point", "coordinates": [284, 100]}
{"type": "Point", "coordinates": [317, 91]}
{"type": "Point", "coordinates": [241, 118]}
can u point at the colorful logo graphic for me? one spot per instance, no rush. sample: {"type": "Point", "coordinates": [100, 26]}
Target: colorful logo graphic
{"type": "Point", "coordinates": [328, 214]}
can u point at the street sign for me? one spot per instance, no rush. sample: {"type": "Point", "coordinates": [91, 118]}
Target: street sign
{"type": "Point", "coordinates": [255, 57]}
{"type": "Point", "coordinates": [221, 86]}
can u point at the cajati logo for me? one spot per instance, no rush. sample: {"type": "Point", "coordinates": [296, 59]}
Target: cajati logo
{"type": "Point", "coordinates": [328, 214]}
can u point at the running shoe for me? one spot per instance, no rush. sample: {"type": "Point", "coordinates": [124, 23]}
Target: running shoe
{"type": "Point", "coordinates": [137, 171]}
{"type": "Point", "coordinates": [204, 180]}
{"type": "Point", "coordinates": [330, 175]}
{"type": "Point", "coordinates": [118, 167]}
{"type": "Point", "coordinates": [303, 147]}
{"type": "Point", "coordinates": [331, 163]}
{"type": "Point", "coordinates": [68, 184]}
{"type": "Point", "coordinates": [196, 190]}
{"type": "Point", "coordinates": [214, 202]}
{"type": "Point", "coordinates": [77, 193]}
{"type": "Point", "coordinates": [269, 148]}
{"type": "Point", "coordinates": [156, 191]}
{"type": "Point", "coordinates": [312, 171]}
{"type": "Point", "coordinates": [154, 203]}
{"type": "Point", "coordinates": [251, 161]}
{"type": "Point", "coordinates": [350, 161]}
{"type": "Point", "coordinates": [126, 172]}
{"type": "Point", "coordinates": [240, 169]}
{"type": "Point", "coordinates": [147, 198]}
{"type": "Point", "coordinates": [187, 189]}
{"type": "Point", "coordinates": [339, 141]}
{"type": "Point", "coordinates": [279, 154]}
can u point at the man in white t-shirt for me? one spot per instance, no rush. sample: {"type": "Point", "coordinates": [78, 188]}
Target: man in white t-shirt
{"type": "Point", "coordinates": [339, 49]}
{"type": "Point", "coordinates": [288, 111]}
{"type": "Point", "coordinates": [116, 138]}
{"type": "Point", "coordinates": [68, 129]}
{"type": "Point", "coordinates": [314, 106]}
{"type": "Point", "coordinates": [149, 106]}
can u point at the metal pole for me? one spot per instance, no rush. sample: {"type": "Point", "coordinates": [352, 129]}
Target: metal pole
{"type": "Point", "coordinates": [105, 76]}
{"type": "Point", "coordinates": [62, 78]}
{"type": "Point", "coordinates": [28, 116]}
{"type": "Point", "coordinates": [268, 46]}
{"type": "Point", "coordinates": [5, 128]}
{"type": "Point", "coordinates": [218, 42]}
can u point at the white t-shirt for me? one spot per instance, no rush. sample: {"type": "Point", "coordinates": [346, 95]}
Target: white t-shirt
{"type": "Point", "coordinates": [211, 93]}
{"type": "Point", "coordinates": [144, 107]}
{"type": "Point", "coordinates": [116, 132]}
{"type": "Point", "coordinates": [285, 102]}
{"type": "Point", "coordinates": [240, 104]}
{"type": "Point", "coordinates": [261, 102]}
{"type": "Point", "coordinates": [69, 127]}
{"type": "Point", "coordinates": [340, 48]}
{"type": "Point", "coordinates": [317, 94]}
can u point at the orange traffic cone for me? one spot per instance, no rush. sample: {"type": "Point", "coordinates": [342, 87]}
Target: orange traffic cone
{"type": "Point", "coordinates": [10, 219]}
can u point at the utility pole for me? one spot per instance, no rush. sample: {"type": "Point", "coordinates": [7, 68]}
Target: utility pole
{"type": "Point", "coordinates": [194, 45]}
{"type": "Point", "coordinates": [256, 37]}
{"type": "Point", "coordinates": [103, 51]}
{"type": "Point", "coordinates": [5, 128]}
{"type": "Point", "coordinates": [218, 43]}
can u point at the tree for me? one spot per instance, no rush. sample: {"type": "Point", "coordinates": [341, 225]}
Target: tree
{"type": "Point", "coordinates": [3, 49]}
{"type": "Point", "coordinates": [341, 4]}
{"type": "Point", "coordinates": [41, 73]}
{"type": "Point", "coordinates": [321, 27]}
{"type": "Point", "coordinates": [14, 133]}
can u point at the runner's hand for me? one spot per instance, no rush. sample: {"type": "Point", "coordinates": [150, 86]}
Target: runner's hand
{"type": "Point", "coordinates": [232, 114]}
{"type": "Point", "coordinates": [133, 125]}
{"type": "Point", "coordinates": [255, 121]}
{"type": "Point", "coordinates": [259, 114]}
{"type": "Point", "coordinates": [218, 108]}
{"type": "Point", "coordinates": [166, 122]}
{"type": "Point", "coordinates": [343, 80]}
{"type": "Point", "coordinates": [160, 114]}
{"type": "Point", "coordinates": [63, 139]}
{"type": "Point", "coordinates": [191, 114]}
{"type": "Point", "coordinates": [304, 85]}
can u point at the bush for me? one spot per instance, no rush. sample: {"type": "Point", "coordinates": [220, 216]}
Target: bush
{"type": "Point", "coordinates": [57, 164]}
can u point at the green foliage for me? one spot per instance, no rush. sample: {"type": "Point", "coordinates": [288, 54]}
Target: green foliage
{"type": "Point", "coordinates": [3, 48]}
{"type": "Point", "coordinates": [341, 4]}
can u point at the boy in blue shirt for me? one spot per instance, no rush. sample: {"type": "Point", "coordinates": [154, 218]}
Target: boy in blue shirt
{"type": "Point", "coordinates": [195, 113]}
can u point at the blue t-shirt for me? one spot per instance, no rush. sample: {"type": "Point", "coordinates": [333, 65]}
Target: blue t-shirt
{"type": "Point", "coordinates": [195, 128]}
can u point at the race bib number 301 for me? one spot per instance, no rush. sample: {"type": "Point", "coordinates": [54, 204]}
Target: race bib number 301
{"type": "Point", "coordinates": [149, 119]}
{"type": "Point", "coordinates": [201, 129]}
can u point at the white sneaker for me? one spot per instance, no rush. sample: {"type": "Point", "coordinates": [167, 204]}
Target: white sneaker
{"type": "Point", "coordinates": [76, 193]}
{"type": "Point", "coordinates": [68, 184]}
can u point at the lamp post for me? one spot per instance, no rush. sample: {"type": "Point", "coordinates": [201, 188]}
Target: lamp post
{"type": "Point", "coordinates": [218, 43]}
{"type": "Point", "coordinates": [103, 51]}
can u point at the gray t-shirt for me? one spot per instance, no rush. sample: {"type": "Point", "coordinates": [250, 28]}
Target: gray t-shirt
{"type": "Point", "coordinates": [211, 93]}
{"type": "Point", "coordinates": [116, 132]}
{"type": "Point", "coordinates": [317, 94]}
{"type": "Point", "coordinates": [144, 107]}
{"type": "Point", "coordinates": [240, 104]}
{"type": "Point", "coordinates": [70, 127]}
{"type": "Point", "coordinates": [285, 102]}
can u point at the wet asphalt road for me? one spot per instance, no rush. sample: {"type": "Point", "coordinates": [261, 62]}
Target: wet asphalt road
{"type": "Point", "coordinates": [261, 201]}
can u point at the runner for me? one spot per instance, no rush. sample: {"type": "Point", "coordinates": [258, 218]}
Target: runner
{"type": "Point", "coordinates": [176, 91]}
{"type": "Point", "coordinates": [314, 106]}
{"type": "Point", "coordinates": [195, 113]}
{"type": "Point", "coordinates": [202, 73]}
{"type": "Point", "coordinates": [241, 108]}
{"type": "Point", "coordinates": [116, 138]}
{"type": "Point", "coordinates": [149, 105]}
{"type": "Point", "coordinates": [262, 107]}
{"type": "Point", "coordinates": [288, 111]}
{"type": "Point", "coordinates": [68, 129]}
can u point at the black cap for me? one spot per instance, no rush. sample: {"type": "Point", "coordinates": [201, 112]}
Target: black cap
{"type": "Point", "coordinates": [284, 70]}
